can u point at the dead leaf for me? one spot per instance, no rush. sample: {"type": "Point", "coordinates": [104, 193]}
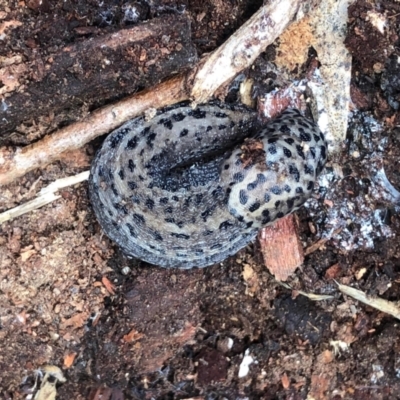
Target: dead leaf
{"type": "Point", "coordinates": [251, 279]}
{"type": "Point", "coordinates": [285, 381]}
{"type": "Point", "coordinates": [77, 321]}
{"type": "Point", "coordinates": [25, 255]}
{"type": "Point", "coordinates": [326, 357]}
{"type": "Point", "coordinates": [108, 285]}
{"type": "Point", "coordinates": [69, 359]}
{"type": "Point", "coordinates": [333, 271]}
{"type": "Point", "coordinates": [132, 336]}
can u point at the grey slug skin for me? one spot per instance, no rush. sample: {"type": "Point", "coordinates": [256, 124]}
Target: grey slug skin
{"type": "Point", "coordinates": [180, 191]}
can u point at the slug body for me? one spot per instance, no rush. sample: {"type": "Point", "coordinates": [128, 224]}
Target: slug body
{"type": "Point", "coordinates": [186, 189]}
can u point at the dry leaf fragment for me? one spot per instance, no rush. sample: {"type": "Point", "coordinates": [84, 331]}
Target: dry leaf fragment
{"type": "Point", "coordinates": [285, 381]}
{"type": "Point", "coordinates": [77, 321]}
{"type": "Point", "coordinates": [69, 359]}
{"type": "Point", "coordinates": [186, 334]}
{"type": "Point", "coordinates": [319, 387]}
{"type": "Point", "coordinates": [22, 317]}
{"type": "Point", "coordinates": [251, 279]}
{"type": "Point", "coordinates": [326, 357]}
{"type": "Point", "coordinates": [333, 271]}
{"type": "Point", "coordinates": [132, 336]}
{"type": "Point", "coordinates": [248, 273]}
{"type": "Point", "coordinates": [108, 285]}
{"type": "Point", "coordinates": [25, 255]}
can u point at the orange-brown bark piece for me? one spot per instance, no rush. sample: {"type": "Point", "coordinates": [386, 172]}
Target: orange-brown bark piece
{"type": "Point", "coordinates": [281, 248]}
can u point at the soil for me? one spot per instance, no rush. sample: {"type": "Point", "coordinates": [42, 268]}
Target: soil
{"type": "Point", "coordinates": [120, 329]}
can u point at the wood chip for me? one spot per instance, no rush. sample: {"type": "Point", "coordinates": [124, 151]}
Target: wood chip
{"type": "Point", "coordinates": [281, 248]}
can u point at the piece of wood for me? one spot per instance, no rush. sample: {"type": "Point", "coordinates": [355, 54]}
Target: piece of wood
{"type": "Point", "coordinates": [96, 70]}
{"type": "Point", "coordinates": [271, 19]}
{"type": "Point", "coordinates": [281, 248]}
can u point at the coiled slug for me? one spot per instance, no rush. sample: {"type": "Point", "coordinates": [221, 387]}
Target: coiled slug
{"type": "Point", "coordinates": [191, 187]}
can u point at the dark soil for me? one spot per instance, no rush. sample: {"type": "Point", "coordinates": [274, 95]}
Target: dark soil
{"type": "Point", "coordinates": [69, 298]}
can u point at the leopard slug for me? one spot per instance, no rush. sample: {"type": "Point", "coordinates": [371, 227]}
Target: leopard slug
{"type": "Point", "coordinates": [191, 187]}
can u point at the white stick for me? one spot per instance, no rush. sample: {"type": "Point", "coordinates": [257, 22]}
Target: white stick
{"type": "Point", "coordinates": [46, 196]}
{"type": "Point", "coordinates": [383, 305]}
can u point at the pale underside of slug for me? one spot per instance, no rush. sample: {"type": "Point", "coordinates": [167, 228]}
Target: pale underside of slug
{"type": "Point", "coordinates": [186, 189]}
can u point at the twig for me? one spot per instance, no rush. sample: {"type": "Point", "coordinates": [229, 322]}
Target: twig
{"type": "Point", "coordinates": [311, 296]}
{"type": "Point", "coordinates": [46, 196]}
{"type": "Point", "coordinates": [383, 305]}
{"type": "Point", "coordinates": [16, 163]}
